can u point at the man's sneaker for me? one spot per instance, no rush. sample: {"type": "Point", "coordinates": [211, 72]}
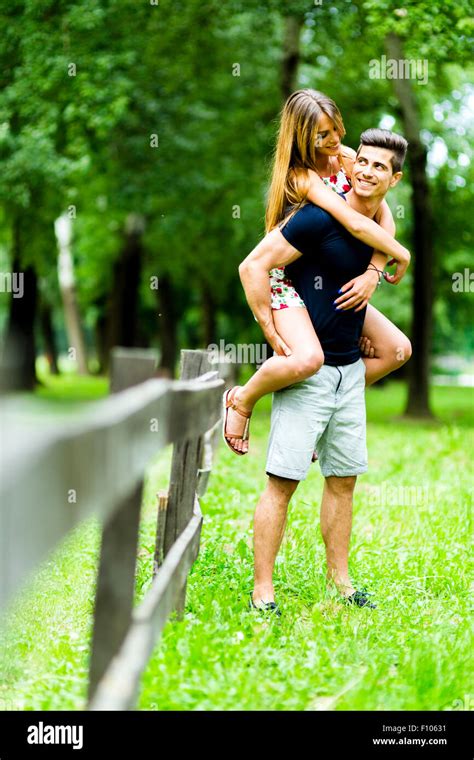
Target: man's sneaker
{"type": "Point", "coordinates": [360, 599]}
{"type": "Point", "coordinates": [271, 607]}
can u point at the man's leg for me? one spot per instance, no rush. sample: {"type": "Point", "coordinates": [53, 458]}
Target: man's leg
{"type": "Point", "coordinates": [342, 453]}
{"type": "Point", "coordinates": [336, 525]}
{"type": "Point", "coordinates": [299, 417]}
{"type": "Point", "coordinates": [269, 527]}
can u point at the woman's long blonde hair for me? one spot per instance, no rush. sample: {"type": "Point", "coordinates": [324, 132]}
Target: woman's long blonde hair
{"type": "Point", "coordinates": [296, 149]}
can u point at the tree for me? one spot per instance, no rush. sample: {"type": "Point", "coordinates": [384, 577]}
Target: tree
{"type": "Point", "coordinates": [408, 32]}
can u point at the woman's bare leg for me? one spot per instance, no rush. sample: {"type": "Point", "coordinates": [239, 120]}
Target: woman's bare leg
{"type": "Point", "coordinates": [392, 348]}
{"type": "Point", "coordinates": [296, 329]}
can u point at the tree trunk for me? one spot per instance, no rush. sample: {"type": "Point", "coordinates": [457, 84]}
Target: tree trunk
{"type": "Point", "coordinates": [123, 304]}
{"type": "Point", "coordinates": [419, 366]}
{"type": "Point", "coordinates": [291, 54]}
{"type": "Point", "coordinates": [168, 325]}
{"type": "Point", "coordinates": [19, 351]}
{"type": "Point", "coordinates": [209, 316]}
{"type": "Point", "coordinates": [101, 344]}
{"type": "Point", "coordinates": [74, 328]}
{"type": "Point", "coordinates": [67, 287]}
{"type": "Point", "coordinates": [47, 331]}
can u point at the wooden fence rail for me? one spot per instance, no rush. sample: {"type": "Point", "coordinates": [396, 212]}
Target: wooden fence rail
{"type": "Point", "coordinates": [51, 480]}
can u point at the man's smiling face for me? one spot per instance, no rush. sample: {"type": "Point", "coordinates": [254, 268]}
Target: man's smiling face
{"type": "Point", "coordinates": [372, 174]}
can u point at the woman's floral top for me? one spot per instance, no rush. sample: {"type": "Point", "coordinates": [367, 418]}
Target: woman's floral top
{"type": "Point", "coordinates": [282, 291]}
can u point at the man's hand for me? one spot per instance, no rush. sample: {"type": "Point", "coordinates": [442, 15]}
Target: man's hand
{"type": "Point", "coordinates": [366, 347]}
{"type": "Point", "coordinates": [277, 342]}
{"type": "Point", "coordinates": [358, 292]}
{"type": "Point", "coordinates": [400, 270]}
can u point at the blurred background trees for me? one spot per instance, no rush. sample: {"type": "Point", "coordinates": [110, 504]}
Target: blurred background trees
{"type": "Point", "coordinates": [151, 126]}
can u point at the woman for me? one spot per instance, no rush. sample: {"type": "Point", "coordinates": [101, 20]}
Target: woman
{"type": "Point", "coordinates": [310, 162]}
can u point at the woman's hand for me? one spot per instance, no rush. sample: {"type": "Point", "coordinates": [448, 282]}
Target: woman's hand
{"type": "Point", "coordinates": [400, 271]}
{"type": "Point", "coordinates": [277, 342]}
{"type": "Point", "coordinates": [358, 292]}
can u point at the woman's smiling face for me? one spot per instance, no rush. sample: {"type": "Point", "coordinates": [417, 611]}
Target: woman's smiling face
{"type": "Point", "coordinates": [328, 139]}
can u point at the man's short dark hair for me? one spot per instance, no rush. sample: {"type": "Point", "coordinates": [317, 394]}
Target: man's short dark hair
{"type": "Point", "coordinates": [384, 138]}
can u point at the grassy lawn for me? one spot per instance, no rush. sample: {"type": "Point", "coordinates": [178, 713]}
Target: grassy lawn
{"type": "Point", "coordinates": [410, 547]}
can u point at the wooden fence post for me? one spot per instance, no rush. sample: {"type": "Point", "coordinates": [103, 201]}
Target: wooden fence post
{"type": "Point", "coordinates": [131, 366]}
{"type": "Point", "coordinates": [118, 553]}
{"type": "Point", "coordinates": [115, 586]}
{"type": "Point", "coordinates": [160, 530]}
{"type": "Point", "coordinates": [185, 464]}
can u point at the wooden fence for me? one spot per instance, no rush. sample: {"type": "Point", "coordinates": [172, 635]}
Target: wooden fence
{"type": "Point", "coordinates": [52, 479]}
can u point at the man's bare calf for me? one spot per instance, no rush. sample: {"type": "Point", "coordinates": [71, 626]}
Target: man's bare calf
{"type": "Point", "coordinates": [336, 526]}
{"type": "Point", "coordinates": [269, 527]}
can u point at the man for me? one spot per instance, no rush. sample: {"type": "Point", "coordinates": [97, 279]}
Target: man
{"type": "Point", "coordinates": [326, 411]}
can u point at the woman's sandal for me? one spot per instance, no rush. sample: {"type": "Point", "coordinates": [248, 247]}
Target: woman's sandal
{"type": "Point", "coordinates": [228, 403]}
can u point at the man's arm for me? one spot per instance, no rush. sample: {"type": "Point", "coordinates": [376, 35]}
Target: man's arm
{"type": "Point", "coordinates": [379, 260]}
{"type": "Point", "coordinates": [359, 291]}
{"type": "Point", "coordinates": [384, 218]}
{"type": "Point", "coordinates": [272, 251]}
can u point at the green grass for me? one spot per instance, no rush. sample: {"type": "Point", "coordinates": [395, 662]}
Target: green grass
{"type": "Point", "coordinates": [64, 389]}
{"type": "Point", "coordinates": [410, 547]}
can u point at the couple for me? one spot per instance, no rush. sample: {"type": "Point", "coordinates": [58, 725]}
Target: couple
{"type": "Point", "coordinates": [308, 283]}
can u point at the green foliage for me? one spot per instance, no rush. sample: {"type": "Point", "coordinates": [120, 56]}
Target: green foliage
{"type": "Point", "coordinates": [438, 31]}
{"type": "Point", "coordinates": [87, 87]}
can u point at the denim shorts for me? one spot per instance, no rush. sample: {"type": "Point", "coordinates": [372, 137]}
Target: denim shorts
{"type": "Point", "coordinates": [326, 412]}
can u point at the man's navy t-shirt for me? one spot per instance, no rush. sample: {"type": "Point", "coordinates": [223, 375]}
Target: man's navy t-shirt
{"type": "Point", "coordinates": [331, 257]}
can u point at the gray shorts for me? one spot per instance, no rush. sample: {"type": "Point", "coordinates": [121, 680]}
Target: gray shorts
{"type": "Point", "coordinates": [326, 412]}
